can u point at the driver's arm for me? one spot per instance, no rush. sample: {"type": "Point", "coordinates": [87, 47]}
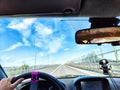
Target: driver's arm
{"type": "Point", "coordinates": [5, 84]}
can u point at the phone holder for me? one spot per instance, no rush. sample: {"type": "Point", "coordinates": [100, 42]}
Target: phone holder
{"type": "Point", "coordinates": [104, 66]}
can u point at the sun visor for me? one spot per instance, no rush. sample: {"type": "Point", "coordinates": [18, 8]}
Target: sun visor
{"type": "Point", "coordinates": [100, 8]}
{"type": "Point", "coordinates": [39, 7]}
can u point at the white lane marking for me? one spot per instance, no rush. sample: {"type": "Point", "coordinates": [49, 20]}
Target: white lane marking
{"type": "Point", "coordinates": [55, 69]}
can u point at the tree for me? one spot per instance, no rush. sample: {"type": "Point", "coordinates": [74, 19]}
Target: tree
{"type": "Point", "coordinates": [25, 67]}
{"type": "Point", "coordinates": [92, 58]}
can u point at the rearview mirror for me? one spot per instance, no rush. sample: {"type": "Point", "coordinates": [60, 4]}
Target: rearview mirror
{"type": "Point", "coordinates": [98, 35]}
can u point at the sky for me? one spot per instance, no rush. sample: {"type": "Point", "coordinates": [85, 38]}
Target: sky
{"type": "Point", "coordinates": [39, 41]}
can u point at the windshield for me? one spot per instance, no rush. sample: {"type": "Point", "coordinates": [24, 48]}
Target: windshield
{"type": "Point", "coordinates": [48, 45]}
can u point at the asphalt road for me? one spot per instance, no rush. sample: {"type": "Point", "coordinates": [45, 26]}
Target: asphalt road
{"type": "Point", "coordinates": [66, 70]}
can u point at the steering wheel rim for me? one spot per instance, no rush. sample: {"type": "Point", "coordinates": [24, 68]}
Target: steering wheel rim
{"type": "Point", "coordinates": [41, 75]}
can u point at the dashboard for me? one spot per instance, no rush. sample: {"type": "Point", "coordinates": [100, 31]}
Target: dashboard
{"type": "Point", "coordinates": [91, 83]}
{"type": "Point", "coordinates": [79, 83]}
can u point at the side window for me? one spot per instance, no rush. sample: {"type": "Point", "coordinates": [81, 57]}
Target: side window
{"type": "Point", "coordinates": [2, 73]}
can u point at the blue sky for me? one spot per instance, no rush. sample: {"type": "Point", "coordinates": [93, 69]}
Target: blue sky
{"type": "Point", "coordinates": [44, 40]}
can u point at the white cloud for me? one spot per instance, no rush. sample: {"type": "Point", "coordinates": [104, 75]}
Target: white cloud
{"type": "Point", "coordinates": [18, 44]}
{"type": "Point", "coordinates": [41, 54]}
{"type": "Point", "coordinates": [24, 27]}
{"type": "Point", "coordinates": [19, 62]}
{"type": "Point", "coordinates": [38, 44]}
{"type": "Point", "coordinates": [42, 30]}
{"type": "Point", "coordinates": [46, 40]}
{"type": "Point", "coordinates": [66, 49]}
{"type": "Point", "coordinates": [13, 46]}
{"type": "Point", "coordinates": [52, 45]}
{"type": "Point", "coordinates": [21, 25]}
{"type": "Point", "coordinates": [26, 42]}
{"type": "Point", "coordinates": [55, 44]}
{"type": "Point", "coordinates": [5, 58]}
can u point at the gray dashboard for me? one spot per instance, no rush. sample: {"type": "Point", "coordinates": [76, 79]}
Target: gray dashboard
{"type": "Point", "coordinates": [107, 83]}
{"type": "Point", "coordinates": [78, 83]}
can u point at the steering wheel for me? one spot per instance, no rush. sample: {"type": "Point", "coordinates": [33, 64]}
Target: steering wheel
{"type": "Point", "coordinates": [35, 78]}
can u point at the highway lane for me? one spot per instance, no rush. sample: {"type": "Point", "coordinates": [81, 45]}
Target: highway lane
{"type": "Point", "coordinates": [66, 70]}
{"type": "Point", "coordinates": [48, 69]}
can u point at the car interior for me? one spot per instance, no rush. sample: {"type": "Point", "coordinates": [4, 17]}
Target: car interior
{"type": "Point", "coordinates": [61, 45]}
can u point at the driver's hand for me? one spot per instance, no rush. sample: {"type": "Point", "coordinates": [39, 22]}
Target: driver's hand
{"type": "Point", "coordinates": [5, 84]}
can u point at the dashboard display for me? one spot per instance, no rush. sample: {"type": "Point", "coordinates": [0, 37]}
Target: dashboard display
{"type": "Point", "coordinates": [91, 85]}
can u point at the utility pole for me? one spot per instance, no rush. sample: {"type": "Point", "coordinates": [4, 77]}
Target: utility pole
{"type": "Point", "coordinates": [94, 57]}
{"type": "Point", "coordinates": [35, 54]}
{"type": "Point", "coordinates": [116, 53]}
{"type": "Point", "coordinates": [101, 52]}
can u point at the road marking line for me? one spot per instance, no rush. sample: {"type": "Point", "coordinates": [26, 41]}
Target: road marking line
{"type": "Point", "coordinates": [56, 69]}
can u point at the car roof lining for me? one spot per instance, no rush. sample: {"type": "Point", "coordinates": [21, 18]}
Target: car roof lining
{"type": "Point", "coordinates": [100, 8]}
{"type": "Point", "coordinates": [83, 8]}
{"type": "Point", "coordinates": [39, 7]}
